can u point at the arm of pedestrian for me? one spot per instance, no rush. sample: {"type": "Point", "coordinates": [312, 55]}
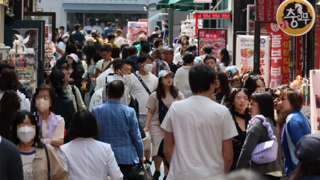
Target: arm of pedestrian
{"type": "Point", "coordinates": [168, 145]}
{"type": "Point", "coordinates": [135, 134]}
{"type": "Point", "coordinates": [148, 119]}
{"type": "Point", "coordinates": [227, 154]}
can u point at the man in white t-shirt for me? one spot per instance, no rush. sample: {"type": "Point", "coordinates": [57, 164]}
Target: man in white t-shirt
{"type": "Point", "coordinates": [198, 131]}
{"type": "Point", "coordinates": [103, 64]}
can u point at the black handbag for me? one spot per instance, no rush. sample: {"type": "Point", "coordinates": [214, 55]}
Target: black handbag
{"type": "Point", "coordinates": [135, 105]}
{"type": "Point", "coordinates": [163, 109]}
{"type": "Point", "coordinates": [141, 172]}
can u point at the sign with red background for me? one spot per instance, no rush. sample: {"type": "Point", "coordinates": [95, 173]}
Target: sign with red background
{"type": "Point", "coordinates": [317, 44]}
{"type": "Point", "coordinates": [212, 15]}
{"type": "Point", "coordinates": [216, 38]}
{"type": "Point", "coordinates": [299, 56]}
{"type": "Point", "coordinates": [46, 31]}
{"type": "Point", "coordinates": [267, 10]}
{"type": "Point", "coordinates": [147, 21]}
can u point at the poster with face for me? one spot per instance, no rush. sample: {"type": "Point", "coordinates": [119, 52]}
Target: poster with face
{"type": "Point", "coordinates": [315, 100]}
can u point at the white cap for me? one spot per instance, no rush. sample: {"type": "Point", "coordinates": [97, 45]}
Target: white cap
{"type": "Point", "coordinates": [90, 39]}
{"type": "Point", "coordinates": [163, 73]}
{"type": "Point", "coordinates": [74, 57]}
{"type": "Point", "coordinates": [65, 35]}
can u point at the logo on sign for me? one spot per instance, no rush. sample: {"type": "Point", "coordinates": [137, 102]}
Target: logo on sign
{"type": "Point", "coordinates": [275, 27]}
{"type": "Point", "coordinates": [297, 15]}
{"type": "Point", "coordinates": [262, 41]}
{"type": "Point", "coordinates": [243, 40]}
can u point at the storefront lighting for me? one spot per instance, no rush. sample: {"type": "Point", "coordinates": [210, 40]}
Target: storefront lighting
{"type": "Point", "coordinates": [39, 9]}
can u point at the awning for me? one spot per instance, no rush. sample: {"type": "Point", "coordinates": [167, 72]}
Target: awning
{"type": "Point", "coordinates": [180, 5]}
{"type": "Point", "coordinates": [104, 8]}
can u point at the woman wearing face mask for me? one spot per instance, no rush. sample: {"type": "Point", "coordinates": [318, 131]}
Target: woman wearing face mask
{"type": "Point", "coordinates": [74, 71]}
{"type": "Point", "coordinates": [258, 132]}
{"type": "Point", "coordinates": [158, 101]}
{"type": "Point", "coordinates": [35, 156]}
{"type": "Point", "coordinates": [239, 110]}
{"type": "Point", "coordinates": [296, 126]}
{"type": "Point", "coordinates": [254, 84]}
{"type": "Point", "coordinates": [62, 44]}
{"type": "Point", "coordinates": [181, 79]}
{"type": "Point", "coordinates": [52, 125]}
{"type": "Point", "coordinates": [222, 91]}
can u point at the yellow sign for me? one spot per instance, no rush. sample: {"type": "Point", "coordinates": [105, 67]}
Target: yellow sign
{"type": "Point", "coordinates": [296, 17]}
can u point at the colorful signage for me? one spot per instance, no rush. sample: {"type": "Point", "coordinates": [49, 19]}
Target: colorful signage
{"type": "Point", "coordinates": [296, 17]}
{"type": "Point", "coordinates": [147, 21]}
{"type": "Point", "coordinates": [134, 28]}
{"type": "Point", "coordinates": [212, 16]}
{"type": "Point", "coordinates": [244, 55]}
{"type": "Point", "coordinates": [315, 100]}
{"type": "Point", "coordinates": [299, 56]}
{"type": "Point", "coordinates": [317, 44]}
{"type": "Point", "coordinates": [216, 38]}
{"type": "Point", "coordinates": [266, 10]}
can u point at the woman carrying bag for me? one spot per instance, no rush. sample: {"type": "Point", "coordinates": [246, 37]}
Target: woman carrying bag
{"type": "Point", "coordinates": [261, 128]}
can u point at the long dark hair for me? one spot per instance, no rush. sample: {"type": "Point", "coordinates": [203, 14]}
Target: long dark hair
{"type": "Point", "coordinates": [265, 103]}
{"type": "Point", "coordinates": [90, 51]}
{"type": "Point", "coordinates": [57, 80]}
{"type": "Point", "coordinates": [182, 44]}
{"type": "Point", "coordinates": [9, 104]}
{"type": "Point", "coordinates": [307, 170]}
{"type": "Point", "coordinates": [224, 83]}
{"type": "Point", "coordinates": [226, 58]}
{"type": "Point", "coordinates": [231, 100]}
{"type": "Point", "coordinates": [9, 80]}
{"type": "Point", "coordinates": [161, 93]}
{"type": "Point", "coordinates": [251, 84]}
{"type": "Point", "coordinates": [18, 120]}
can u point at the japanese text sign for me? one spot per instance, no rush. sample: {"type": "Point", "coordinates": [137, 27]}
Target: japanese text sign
{"type": "Point", "coordinates": [296, 17]}
{"type": "Point", "coordinates": [266, 10]}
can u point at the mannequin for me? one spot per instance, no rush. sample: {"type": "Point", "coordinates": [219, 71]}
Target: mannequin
{"type": "Point", "coordinates": [97, 27]}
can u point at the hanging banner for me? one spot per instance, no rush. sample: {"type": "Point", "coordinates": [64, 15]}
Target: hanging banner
{"type": "Point", "coordinates": [216, 38]}
{"type": "Point", "coordinates": [296, 17]}
{"type": "Point", "coordinates": [134, 28]}
{"type": "Point", "coordinates": [266, 10]}
{"type": "Point", "coordinates": [317, 44]}
{"type": "Point", "coordinates": [299, 56]}
{"type": "Point", "coordinates": [244, 55]}
{"type": "Point", "coordinates": [315, 100]}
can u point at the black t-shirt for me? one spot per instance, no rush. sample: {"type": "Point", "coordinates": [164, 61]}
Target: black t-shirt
{"type": "Point", "coordinates": [78, 36]}
{"type": "Point", "coordinates": [219, 97]}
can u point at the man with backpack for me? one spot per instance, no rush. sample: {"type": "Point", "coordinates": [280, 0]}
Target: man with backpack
{"type": "Point", "coordinates": [158, 63]}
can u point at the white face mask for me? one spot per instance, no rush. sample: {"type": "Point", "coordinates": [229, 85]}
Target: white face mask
{"type": "Point", "coordinates": [26, 134]}
{"type": "Point", "coordinates": [147, 68]}
{"type": "Point", "coordinates": [42, 104]}
{"type": "Point", "coordinates": [65, 40]}
{"type": "Point", "coordinates": [126, 77]}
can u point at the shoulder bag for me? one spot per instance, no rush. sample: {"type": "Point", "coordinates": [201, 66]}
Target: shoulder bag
{"type": "Point", "coordinates": [163, 109]}
{"type": "Point", "coordinates": [48, 161]}
{"type": "Point", "coordinates": [140, 172]}
{"type": "Point", "coordinates": [265, 152]}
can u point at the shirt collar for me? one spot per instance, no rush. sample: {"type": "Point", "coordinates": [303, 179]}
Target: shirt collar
{"type": "Point", "coordinates": [113, 101]}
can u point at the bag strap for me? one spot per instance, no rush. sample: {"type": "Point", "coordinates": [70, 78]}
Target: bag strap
{"type": "Point", "coordinates": [107, 66]}
{"type": "Point", "coordinates": [75, 95]}
{"type": "Point", "coordinates": [143, 84]}
{"type": "Point", "coordinates": [265, 124]}
{"type": "Point", "coordinates": [48, 162]}
{"type": "Point", "coordinates": [291, 146]}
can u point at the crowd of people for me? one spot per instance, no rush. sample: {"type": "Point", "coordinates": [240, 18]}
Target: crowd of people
{"type": "Point", "coordinates": [108, 105]}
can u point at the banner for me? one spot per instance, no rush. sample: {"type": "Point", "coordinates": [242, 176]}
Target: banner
{"type": "Point", "coordinates": [216, 38]}
{"type": "Point", "coordinates": [317, 44]}
{"type": "Point", "coordinates": [315, 100]}
{"type": "Point", "coordinates": [299, 56]}
{"type": "Point", "coordinates": [147, 21]}
{"type": "Point", "coordinates": [244, 55]}
{"type": "Point", "coordinates": [134, 28]}
{"type": "Point", "coordinates": [266, 10]}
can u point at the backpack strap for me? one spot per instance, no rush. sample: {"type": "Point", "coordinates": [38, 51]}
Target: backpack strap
{"type": "Point", "coordinates": [265, 124]}
{"type": "Point", "coordinates": [143, 84]}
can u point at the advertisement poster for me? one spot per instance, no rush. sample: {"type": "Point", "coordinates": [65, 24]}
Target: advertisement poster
{"type": "Point", "coordinates": [266, 10]}
{"type": "Point", "coordinates": [279, 56]}
{"type": "Point", "coordinates": [147, 21]}
{"type": "Point", "coordinates": [317, 44]}
{"type": "Point", "coordinates": [299, 56]}
{"type": "Point", "coordinates": [244, 55]}
{"type": "Point", "coordinates": [216, 38]}
{"type": "Point", "coordinates": [134, 28]}
{"type": "Point", "coordinates": [315, 100]}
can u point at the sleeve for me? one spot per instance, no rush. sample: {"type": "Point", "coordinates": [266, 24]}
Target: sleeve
{"type": "Point", "coordinates": [167, 124]}
{"type": "Point", "coordinates": [99, 65]}
{"type": "Point", "coordinates": [15, 168]}
{"type": "Point", "coordinates": [229, 127]}
{"type": "Point", "coordinates": [176, 78]}
{"type": "Point", "coordinates": [113, 168]}
{"type": "Point", "coordinates": [175, 59]}
{"type": "Point", "coordinates": [99, 83]}
{"type": "Point", "coordinates": [63, 158]}
{"type": "Point", "coordinates": [57, 169]}
{"type": "Point", "coordinates": [295, 130]}
{"type": "Point", "coordinates": [80, 104]}
{"type": "Point", "coordinates": [25, 104]}
{"type": "Point", "coordinates": [151, 103]}
{"type": "Point", "coordinates": [59, 131]}
{"type": "Point", "coordinates": [251, 141]}
{"type": "Point", "coordinates": [135, 134]}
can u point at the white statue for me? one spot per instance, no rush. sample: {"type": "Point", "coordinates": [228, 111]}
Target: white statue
{"type": "Point", "coordinates": [19, 45]}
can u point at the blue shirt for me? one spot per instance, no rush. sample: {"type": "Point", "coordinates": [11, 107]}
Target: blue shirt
{"type": "Point", "coordinates": [78, 36]}
{"type": "Point", "coordinates": [134, 62]}
{"type": "Point", "coordinates": [107, 31]}
{"type": "Point", "coordinates": [298, 126]}
{"type": "Point", "coordinates": [119, 127]}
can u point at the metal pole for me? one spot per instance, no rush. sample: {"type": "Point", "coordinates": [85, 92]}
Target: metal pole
{"type": "Point", "coordinates": [256, 51]}
{"type": "Point", "coordinates": [171, 25]}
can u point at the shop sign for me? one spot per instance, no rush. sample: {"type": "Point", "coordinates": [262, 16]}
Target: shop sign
{"type": "Point", "coordinates": [279, 67]}
{"type": "Point", "coordinates": [266, 10]}
{"type": "Point", "coordinates": [134, 28]}
{"type": "Point", "coordinates": [317, 44]}
{"type": "Point", "coordinates": [46, 31]}
{"type": "Point", "coordinates": [216, 38]}
{"type": "Point", "coordinates": [296, 17]}
{"type": "Point", "coordinates": [315, 100]}
{"type": "Point", "coordinates": [244, 55]}
{"type": "Point", "coordinates": [147, 21]}
{"type": "Point", "coordinates": [212, 16]}
{"type": "Point", "coordinates": [299, 56]}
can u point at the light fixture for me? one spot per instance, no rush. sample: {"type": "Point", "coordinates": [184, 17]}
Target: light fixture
{"type": "Point", "coordinates": [39, 9]}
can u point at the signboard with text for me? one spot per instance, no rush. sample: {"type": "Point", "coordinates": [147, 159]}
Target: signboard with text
{"type": "Point", "coordinates": [244, 55]}
{"type": "Point", "coordinates": [299, 56]}
{"type": "Point", "coordinates": [226, 15]}
{"type": "Point", "coordinates": [317, 44]}
{"type": "Point", "coordinates": [266, 10]}
{"type": "Point", "coordinates": [216, 38]}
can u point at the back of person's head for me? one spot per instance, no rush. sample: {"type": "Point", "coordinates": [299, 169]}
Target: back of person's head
{"type": "Point", "coordinates": [115, 52]}
{"type": "Point", "coordinates": [145, 48]}
{"type": "Point", "coordinates": [191, 48]}
{"type": "Point", "coordinates": [61, 27]}
{"type": "Point", "coordinates": [83, 125]}
{"type": "Point", "coordinates": [225, 56]}
{"type": "Point", "coordinates": [78, 45]}
{"type": "Point", "coordinates": [207, 49]}
{"type": "Point", "coordinates": [111, 36]}
{"type": "Point", "coordinates": [142, 58]}
{"type": "Point", "coordinates": [70, 48]}
{"type": "Point", "coordinates": [106, 47]}
{"type": "Point", "coordinates": [265, 103]}
{"type": "Point", "coordinates": [156, 28]}
{"type": "Point", "coordinates": [123, 46]}
{"type": "Point", "coordinates": [76, 27]}
{"type": "Point", "coordinates": [294, 96]}
{"type": "Point", "coordinates": [125, 52]}
{"type": "Point", "coordinates": [166, 26]}
{"type": "Point", "coordinates": [116, 89]}
{"type": "Point", "coordinates": [109, 24]}
{"type": "Point", "coordinates": [120, 63]}
{"type": "Point", "coordinates": [97, 57]}
{"type": "Point", "coordinates": [56, 81]}
{"type": "Point", "coordinates": [209, 56]}
{"type": "Point", "coordinates": [118, 33]}
{"type": "Point", "coordinates": [132, 50]}
{"type": "Point", "coordinates": [6, 64]}
{"type": "Point", "coordinates": [224, 83]}
{"type": "Point", "coordinates": [158, 43]}
{"type": "Point", "coordinates": [188, 58]}
{"type": "Point", "coordinates": [157, 53]}
{"type": "Point", "coordinates": [89, 31]}
{"type": "Point", "coordinates": [251, 84]}
{"type": "Point", "coordinates": [9, 80]}
{"type": "Point", "coordinates": [201, 77]}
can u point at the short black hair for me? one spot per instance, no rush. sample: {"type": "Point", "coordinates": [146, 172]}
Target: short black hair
{"type": "Point", "coordinates": [109, 24]}
{"type": "Point", "coordinates": [142, 58]}
{"type": "Point", "coordinates": [61, 27]}
{"type": "Point", "coordinates": [265, 103]}
{"type": "Point", "coordinates": [97, 57]}
{"type": "Point", "coordinates": [191, 48]}
{"type": "Point", "coordinates": [83, 125]}
{"type": "Point", "coordinates": [70, 49]}
{"type": "Point", "coordinates": [207, 49]}
{"type": "Point", "coordinates": [111, 36]}
{"type": "Point", "coordinates": [188, 58]}
{"type": "Point", "coordinates": [121, 62]}
{"type": "Point", "coordinates": [157, 53]}
{"type": "Point", "coordinates": [145, 48]}
{"type": "Point", "coordinates": [132, 50]}
{"type": "Point", "coordinates": [76, 27]}
{"type": "Point", "coordinates": [123, 46]}
{"type": "Point", "coordinates": [106, 47]}
{"type": "Point", "coordinates": [116, 89]}
{"type": "Point", "coordinates": [89, 31]}
{"type": "Point", "coordinates": [157, 43]}
{"type": "Point", "coordinates": [201, 77]}
{"type": "Point", "coordinates": [57, 79]}
{"type": "Point", "coordinates": [209, 57]}
{"type": "Point", "coordinates": [166, 26]}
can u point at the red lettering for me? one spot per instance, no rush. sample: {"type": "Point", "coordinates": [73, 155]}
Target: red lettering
{"type": "Point", "coordinates": [195, 16]}
{"type": "Point", "coordinates": [206, 15]}
{"type": "Point", "coordinates": [216, 15]}
{"type": "Point", "coordinates": [225, 15]}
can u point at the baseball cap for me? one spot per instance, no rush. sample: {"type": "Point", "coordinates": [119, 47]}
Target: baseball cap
{"type": "Point", "coordinates": [74, 57]}
{"type": "Point", "coordinates": [65, 35]}
{"type": "Point", "coordinates": [163, 73]}
{"type": "Point", "coordinates": [307, 149]}
{"type": "Point", "coordinates": [233, 72]}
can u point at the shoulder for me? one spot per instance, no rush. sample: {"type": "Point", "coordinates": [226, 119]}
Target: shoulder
{"type": "Point", "coordinates": [8, 145]}
{"type": "Point", "coordinates": [180, 96]}
{"type": "Point", "coordinates": [154, 95]}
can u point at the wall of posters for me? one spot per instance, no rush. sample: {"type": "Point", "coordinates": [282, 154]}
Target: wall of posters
{"type": "Point", "coordinates": [244, 55]}
{"type": "Point", "coordinates": [133, 30]}
{"type": "Point", "coordinates": [216, 38]}
{"type": "Point", "coordinates": [315, 100]}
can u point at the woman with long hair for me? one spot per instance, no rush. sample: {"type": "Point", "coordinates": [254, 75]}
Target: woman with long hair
{"type": "Point", "coordinates": [158, 104]}
{"type": "Point", "coordinates": [119, 39]}
{"type": "Point", "coordinates": [224, 58]}
{"type": "Point", "coordinates": [9, 104]}
{"type": "Point", "coordinates": [178, 57]}
{"type": "Point", "coordinates": [254, 84]}
{"type": "Point", "coordinates": [75, 72]}
{"type": "Point", "coordinates": [259, 131]}
{"type": "Point", "coordinates": [37, 158]}
{"type": "Point", "coordinates": [239, 110]}
{"type": "Point", "coordinates": [222, 91]}
{"type": "Point", "coordinates": [90, 51]}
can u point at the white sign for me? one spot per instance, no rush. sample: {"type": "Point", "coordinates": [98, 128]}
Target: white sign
{"type": "Point", "coordinates": [245, 58]}
{"type": "Point", "coordinates": [202, 1]}
{"type": "Point", "coordinates": [315, 101]}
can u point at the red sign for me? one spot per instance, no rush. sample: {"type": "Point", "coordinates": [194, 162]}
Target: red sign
{"type": "Point", "coordinates": [147, 21]}
{"type": "Point", "coordinates": [213, 16]}
{"type": "Point", "coordinates": [216, 38]}
{"type": "Point", "coordinates": [317, 44]}
{"type": "Point", "coordinates": [279, 56]}
{"type": "Point", "coordinates": [267, 10]}
{"type": "Point", "coordinates": [299, 56]}
{"type": "Point", "coordinates": [46, 31]}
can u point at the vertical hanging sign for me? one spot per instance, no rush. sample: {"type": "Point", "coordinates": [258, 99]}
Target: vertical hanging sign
{"type": "Point", "coordinates": [299, 56]}
{"type": "Point", "coordinates": [266, 10]}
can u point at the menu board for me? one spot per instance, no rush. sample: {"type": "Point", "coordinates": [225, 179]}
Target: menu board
{"type": "Point", "coordinates": [216, 38]}
{"type": "Point", "coordinates": [134, 28]}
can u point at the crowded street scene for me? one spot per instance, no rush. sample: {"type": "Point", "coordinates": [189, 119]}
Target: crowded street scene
{"type": "Point", "coordinates": [160, 90]}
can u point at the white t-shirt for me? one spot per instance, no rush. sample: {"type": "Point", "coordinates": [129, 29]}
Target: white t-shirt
{"type": "Point", "coordinates": [102, 64]}
{"type": "Point", "coordinates": [101, 80]}
{"type": "Point", "coordinates": [24, 101]}
{"type": "Point", "coordinates": [27, 161]}
{"type": "Point", "coordinates": [119, 41]}
{"type": "Point", "coordinates": [199, 125]}
{"type": "Point", "coordinates": [62, 46]}
{"type": "Point", "coordinates": [137, 90]}
{"type": "Point", "coordinates": [181, 80]}
{"type": "Point", "coordinates": [177, 58]}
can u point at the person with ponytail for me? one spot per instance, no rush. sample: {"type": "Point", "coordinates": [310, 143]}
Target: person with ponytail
{"type": "Point", "coordinates": [63, 105]}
